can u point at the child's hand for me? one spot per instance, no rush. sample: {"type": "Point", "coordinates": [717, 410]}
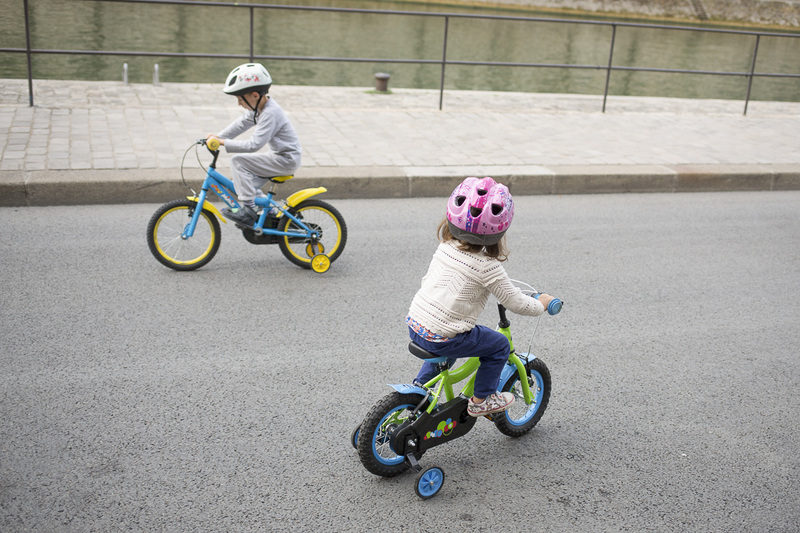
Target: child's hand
{"type": "Point", "coordinates": [212, 136]}
{"type": "Point", "coordinates": [545, 299]}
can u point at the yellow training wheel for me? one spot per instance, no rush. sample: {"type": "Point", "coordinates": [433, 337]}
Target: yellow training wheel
{"type": "Point", "coordinates": [313, 249]}
{"type": "Point", "coordinates": [320, 263]}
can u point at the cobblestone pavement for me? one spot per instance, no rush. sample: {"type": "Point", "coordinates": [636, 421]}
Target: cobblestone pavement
{"type": "Point", "coordinates": [105, 142]}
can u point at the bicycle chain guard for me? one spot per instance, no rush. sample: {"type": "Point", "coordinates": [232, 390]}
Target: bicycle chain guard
{"type": "Point", "coordinates": [253, 238]}
{"type": "Point", "coordinates": [446, 423]}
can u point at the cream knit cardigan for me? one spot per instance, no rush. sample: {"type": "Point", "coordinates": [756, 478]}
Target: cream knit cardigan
{"type": "Point", "coordinates": [456, 288]}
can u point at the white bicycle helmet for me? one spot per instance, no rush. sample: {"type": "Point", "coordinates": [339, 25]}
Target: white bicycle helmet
{"type": "Point", "coordinates": [247, 78]}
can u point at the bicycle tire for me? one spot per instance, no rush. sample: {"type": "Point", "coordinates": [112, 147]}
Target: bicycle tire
{"type": "Point", "coordinates": [429, 482]}
{"type": "Point", "coordinates": [318, 215]}
{"type": "Point", "coordinates": [164, 236]}
{"type": "Point", "coordinates": [373, 446]}
{"type": "Point", "coordinates": [521, 418]}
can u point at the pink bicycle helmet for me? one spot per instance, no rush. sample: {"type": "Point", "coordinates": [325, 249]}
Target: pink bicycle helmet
{"type": "Point", "coordinates": [480, 211]}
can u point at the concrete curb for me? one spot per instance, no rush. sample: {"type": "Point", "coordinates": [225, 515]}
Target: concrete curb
{"type": "Point", "coordinates": [102, 142]}
{"type": "Point", "coordinates": [113, 186]}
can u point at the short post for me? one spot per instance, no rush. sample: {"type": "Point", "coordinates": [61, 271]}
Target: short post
{"type": "Point", "coordinates": [155, 75]}
{"type": "Point", "coordinates": [382, 82]}
{"type": "Point", "coordinates": [125, 73]}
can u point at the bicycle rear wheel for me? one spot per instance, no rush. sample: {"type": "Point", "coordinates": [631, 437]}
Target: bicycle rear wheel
{"type": "Point", "coordinates": [374, 435]}
{"type": "Point", "coordinates": [165, 230]}
{"type": "Point", "coordinates": [321, 217]}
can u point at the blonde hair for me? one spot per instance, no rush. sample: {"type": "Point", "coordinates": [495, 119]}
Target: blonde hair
{"type": "Point", "coordinates": [497, 251]}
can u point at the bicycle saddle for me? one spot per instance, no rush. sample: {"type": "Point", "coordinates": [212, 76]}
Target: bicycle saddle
{"type": "Point", "coordinates": [277, 179]}
{"type": "Point", "coordinates": [422, 353]}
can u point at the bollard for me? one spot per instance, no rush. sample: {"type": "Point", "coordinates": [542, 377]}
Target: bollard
{"type": "Point", "coordinates": [125, 73]}
{"type": "Point", "coordinates": [382, 82]}
{"type": "Point", "coordinates": [155, 75]}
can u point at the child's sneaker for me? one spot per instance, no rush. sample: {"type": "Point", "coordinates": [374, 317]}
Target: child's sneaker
{"type": "Point", "coordinates": [495, 403]}
{"type": "Point", "coordinates": [245, 215]}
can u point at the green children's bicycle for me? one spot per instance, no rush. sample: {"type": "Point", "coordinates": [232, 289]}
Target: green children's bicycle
{"type": "Point", "coordinates": [412, 419]}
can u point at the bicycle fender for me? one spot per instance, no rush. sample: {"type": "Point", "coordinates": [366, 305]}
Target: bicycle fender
{"type": "Point", "coordinates": [510, 368]}
{"type": "Point", "coordinates": [304, 194]}
{"type": "Point", "coordinates": [404, 388]}
{"type": "Point", "coordinates": [508, 371]}
{"type": "Point", "coordinates": [211, 207]}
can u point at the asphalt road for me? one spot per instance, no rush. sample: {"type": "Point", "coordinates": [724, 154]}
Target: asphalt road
{"type": "Point", "coordinates": [138, 398]}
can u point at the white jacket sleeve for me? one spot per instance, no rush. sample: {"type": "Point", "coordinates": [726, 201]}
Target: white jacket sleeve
{"type": "Point", "coordinates": [510, 295]}
{"type": "Point", "coordinates": [237, 127]}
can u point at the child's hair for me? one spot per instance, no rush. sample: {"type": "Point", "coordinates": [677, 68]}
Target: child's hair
{"type": "Point", "coordinates": [497, 251]}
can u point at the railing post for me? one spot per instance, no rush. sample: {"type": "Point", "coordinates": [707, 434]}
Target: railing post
{"type": "Point", "coordinates": [444, 61]}
{"type": "Point", "coordinates": [608, 69]}
{"type": "Point", "coordinates": [252, 15]}
{"type": "Point", "coordinates": [752, 71]}
{"type": "Point", "coordinates": [28, 53]}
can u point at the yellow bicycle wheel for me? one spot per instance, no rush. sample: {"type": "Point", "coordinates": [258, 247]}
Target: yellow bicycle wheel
{"type": "Point", "coordinates": [328, 225]}
{"type": "Point", "coordinates": [165, 236]}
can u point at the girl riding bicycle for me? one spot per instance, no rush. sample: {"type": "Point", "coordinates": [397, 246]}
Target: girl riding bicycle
{"type": "Point", "coordinates": [465, 268]}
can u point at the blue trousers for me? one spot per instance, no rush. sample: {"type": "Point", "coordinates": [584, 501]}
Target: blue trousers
{"type": "Point", "coordinates": [488, 345]}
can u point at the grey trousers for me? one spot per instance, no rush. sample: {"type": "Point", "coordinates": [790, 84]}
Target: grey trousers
{"type": "Point", "coordinates": [250, 173]}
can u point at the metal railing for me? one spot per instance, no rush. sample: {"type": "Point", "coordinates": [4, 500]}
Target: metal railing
{"type": "Point", "coordinates": [609, 67]}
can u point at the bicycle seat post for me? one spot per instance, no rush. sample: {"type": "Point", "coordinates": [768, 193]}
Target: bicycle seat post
{"type": "Point", "coordinates": [442, 367]}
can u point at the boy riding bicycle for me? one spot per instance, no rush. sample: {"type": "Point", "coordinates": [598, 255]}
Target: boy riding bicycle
{"type": "Point", "coordinates": [250, 84]}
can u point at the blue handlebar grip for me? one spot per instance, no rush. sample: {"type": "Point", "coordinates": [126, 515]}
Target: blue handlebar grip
{"type": "Point", "coordinates": [554, 307]}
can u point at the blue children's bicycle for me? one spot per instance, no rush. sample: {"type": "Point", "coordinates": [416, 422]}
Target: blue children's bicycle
{"type": "Point", "coordinates": [408, 422]}
{"type": "Point", "coordinates": [185, 234]}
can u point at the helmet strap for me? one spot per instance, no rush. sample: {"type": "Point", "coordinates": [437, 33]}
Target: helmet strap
{"type": "Point", "coordinates": [256, 108]}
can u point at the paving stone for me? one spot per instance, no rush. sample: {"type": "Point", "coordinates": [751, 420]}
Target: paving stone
{"type": "Point", "coordinates": [538, 143]}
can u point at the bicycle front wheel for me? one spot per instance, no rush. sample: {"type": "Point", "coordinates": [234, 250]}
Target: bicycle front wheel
{"type": "Point", "coordinates": [165, 230]}
{"type": "Point", "coordinates": [318, 216]}
{"type": "Point", "coordinates": [520, 418]}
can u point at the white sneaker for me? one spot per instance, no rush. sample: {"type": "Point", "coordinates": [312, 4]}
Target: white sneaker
{"type": "Point", "coordinates": [495, 403]}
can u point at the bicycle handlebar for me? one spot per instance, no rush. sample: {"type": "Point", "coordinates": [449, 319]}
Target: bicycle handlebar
{"type": "Point", "coordinates": [213, 147]}
{"type": "Point", "coordinates": [211, 144]}
{"type": "Point", "coordinates": [554, 307]}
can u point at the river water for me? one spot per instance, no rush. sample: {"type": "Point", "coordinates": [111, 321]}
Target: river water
{"type": "Point", "coordinates": [92, 25]}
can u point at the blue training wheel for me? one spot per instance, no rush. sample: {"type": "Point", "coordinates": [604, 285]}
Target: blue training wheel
{"type": "Point", "coordinates": [429, 481]}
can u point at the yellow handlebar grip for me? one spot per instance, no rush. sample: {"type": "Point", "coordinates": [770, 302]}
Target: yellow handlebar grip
{"type": "Point", "coordinates": [213, 144]}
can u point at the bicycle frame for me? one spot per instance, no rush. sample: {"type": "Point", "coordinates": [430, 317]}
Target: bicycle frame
{"type": "Point", "coordinates": [226, 191]}
{"type": "Point", "coordinates": [445, 381]}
